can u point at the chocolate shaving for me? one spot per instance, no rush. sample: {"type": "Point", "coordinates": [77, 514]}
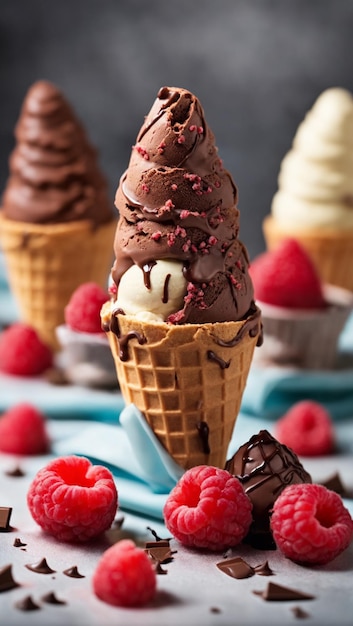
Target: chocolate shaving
{"type": "Point", "coordinates": [18, 543]}
{"type": "Point", "coordinates": [51, 598]}
{"type": "Point", "coordinates": [236, 568]}
{"type": "Point", "coordinates": [5, 516]}
{"type": "Point", "coordinates": [263, 569]}
{"type": "Point", "coordinates": [41, 567]}
{"type": "Point", "coordinates": [159, 551]}
{"type": "Point", "coordinates": [334, 483]}
{"type": "Point", "coordinates": [277, 593]}
{"type": "Point", "coordinates": [27, 604]}
{"type": "Point", "coordinates": [7, 581]}
{"type": "Point", "coordinates": [16, 472]}
{"type": "Point", "coordinates": [73, 572]}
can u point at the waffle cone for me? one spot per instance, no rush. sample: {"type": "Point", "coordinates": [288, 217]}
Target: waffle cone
{"type": "Point", "coordinates": [46, 263]}
{"type": "Point", "coordinates": [330, 250]}
{"type": "Point", "coordinates": [179, 387]}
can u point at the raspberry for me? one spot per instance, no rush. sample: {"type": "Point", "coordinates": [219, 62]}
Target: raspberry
{"type": "Point", "coordinates": [22, 352]}
{"type": "Point", "coordinates": [286, 277]}
{"type": "Point", "coordinates": [72, 499]}
{"type": "Point", "coordinates": [82, 312]}
{"type": "Point", "coordinates": [125, 575]}
{"type": "Point", "coordinates": [307, 429]}
{"type": "Point", "coordinates": [310, 524]}
{"type": "Point", "coordinates": [23, 431]}
{"type": "Point", "coordinates": [208, 508]}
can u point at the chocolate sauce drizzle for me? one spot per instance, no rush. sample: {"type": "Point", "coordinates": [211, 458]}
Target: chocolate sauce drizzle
{"type": "Point", "coordinates": [212, 356]}
{"type": "Point", "coordinates": [123, 340]}
{"type": "Point", "coordinates": [250, 326]}
{"type": "Point", "coordinates": [146, 269]}
{"type": "Point", "coordinates": [165, 297]}
{"type": "Point", "coordinates": [204, 431]}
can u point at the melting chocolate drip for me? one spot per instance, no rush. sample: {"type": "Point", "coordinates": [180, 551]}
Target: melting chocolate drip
{"type": "Point", "coordinates": [41, 567]}
{"type": "Point", "coordinates": [123, 340]}
{"type": "Point", "coordinates": [165, 297]}
{"type": "Point", "coordinates": [147, 268]}
{"type": "Point", "coordinates": [212, 356]}
{"type": "Point", "coordinates": [204, 431]}
{"type": "Point", "coordinates": [250, 326]}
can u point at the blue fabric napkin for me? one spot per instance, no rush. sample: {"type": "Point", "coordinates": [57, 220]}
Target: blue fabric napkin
{"type": "Point", "coordinates": [270, 391]}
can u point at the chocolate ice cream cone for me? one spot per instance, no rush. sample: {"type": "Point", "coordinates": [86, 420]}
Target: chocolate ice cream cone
{"type": "Point", "coordinates": [47, 262]}
{"type": "Point", "coordinates": [187, 380]}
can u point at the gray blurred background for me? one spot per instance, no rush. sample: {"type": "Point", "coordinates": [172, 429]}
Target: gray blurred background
{"type": "Point", "coordinates": [256, 65]}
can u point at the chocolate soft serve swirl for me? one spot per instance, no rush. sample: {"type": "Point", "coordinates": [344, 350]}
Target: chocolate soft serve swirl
{"type": "Point", "coordinates": [54, 175]}
{"type": "Point", "coordinates": [176, 201]}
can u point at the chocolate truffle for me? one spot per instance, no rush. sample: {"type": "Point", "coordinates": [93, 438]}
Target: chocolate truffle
{"type": "Point", "coordinates": [265, 467]}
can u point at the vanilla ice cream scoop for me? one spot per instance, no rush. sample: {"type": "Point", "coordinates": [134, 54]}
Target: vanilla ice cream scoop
{"type": "Point", "coordinates": [152, 292]}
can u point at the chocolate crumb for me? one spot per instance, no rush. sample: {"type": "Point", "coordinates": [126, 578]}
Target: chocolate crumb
{"type": "Point", "coordinates": [27, 604]}
{"type": "Point", "coordinates": [299, 613]}
{"type": "Point", "coordinates": [215, 609]}
{"type": "Point", "coordinates": [73, 572]}
{"type": "Point", "coordinates": [51, 598]}
{"type": "Point", "coordinates": [119, 522]}
{"type": "Point", "coordinates": [5, 516]}
{"type": "Point", "coordinates": [7, 581]}
{"type": "Point", "coordinates": [157, 538]}
{"type": "Point", "coordinates": [41, 567]}
{"type": "Point", "coordinates": [18, 543]}
{"type": "Point", "coordinates": [16, 472]}
{"type": "Point", "coordinates": [278, 593]}
{"type": "Point", "coordinates": [236, 568]}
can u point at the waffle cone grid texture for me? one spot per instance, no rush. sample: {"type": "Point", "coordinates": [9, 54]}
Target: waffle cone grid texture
{"type": "Point", "coordinates": [45, 265]}
{"type": "Point", "coordinates": [177, 387]}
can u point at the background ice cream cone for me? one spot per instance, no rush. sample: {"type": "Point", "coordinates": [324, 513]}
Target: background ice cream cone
{"type": "Point", "coordinates": [187, 385]}
{"type": "Point", "coordinates": [46, 263]}
{"type": "Point", "coordinates": [331, 250]}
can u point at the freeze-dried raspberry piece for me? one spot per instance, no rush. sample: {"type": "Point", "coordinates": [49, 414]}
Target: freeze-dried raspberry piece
{"type": "Point", "coordinates": [82, 312]}
{"type": "Point", "coordinates": [307, 429]}
{"type": "Point", "coordinates": [22, 352]}
{"type": "Point", "coordinates": [73, 499]}
{"type": "Point", "coordinates": [208, 508]}
{"type": "Point", "coordinates": [310, 524]}
{"type": "Point", "coordinates": [125, 575]}
{"type": "Point", "coordinates": [23, 431]}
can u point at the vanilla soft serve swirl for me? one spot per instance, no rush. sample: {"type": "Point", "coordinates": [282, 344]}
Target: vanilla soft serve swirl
{"type": "Point", "coordinates": [315, 183]}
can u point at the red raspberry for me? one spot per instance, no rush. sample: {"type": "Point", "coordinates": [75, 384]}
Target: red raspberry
{"type": "Point", "coordinates": [310, 524]}
{"type": "Point", "coordinates": [208, 508]}
{"type": "Point", "coordinates": [82, 312]}
{"type": "Point", "coordinates": [22, 352]}
{"type": "Point", "coordinates": [287, 277]}
{"type": "Point", "coordinates": [125, 575]}
{"type": "Point", "coordinates": [307, 429]}
{"type": "Point", "coordinates": [23, 431]}
{"type": "Point", "coordinates": [72, 499]}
